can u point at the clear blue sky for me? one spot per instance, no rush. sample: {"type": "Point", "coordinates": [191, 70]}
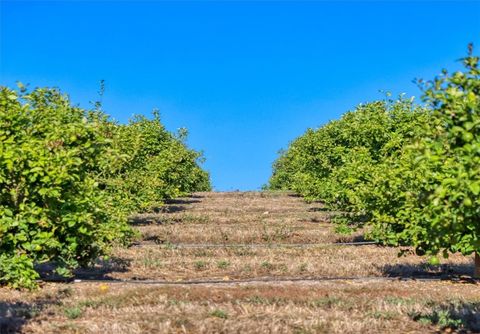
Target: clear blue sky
{"type": "Point", "coordinates": [244, 77]}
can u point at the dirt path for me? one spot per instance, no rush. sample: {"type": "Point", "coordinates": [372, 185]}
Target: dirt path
{"type": "Point", "coordinates": [267, 263]}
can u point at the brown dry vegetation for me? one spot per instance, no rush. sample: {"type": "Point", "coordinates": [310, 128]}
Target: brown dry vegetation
{"type": "Point", "coordinates": [238, 236]}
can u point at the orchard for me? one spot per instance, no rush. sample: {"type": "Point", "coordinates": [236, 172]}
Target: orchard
{"type": "Point", "coordinates": [408, 173]}
{"type": "Point", "coordinates": [69, 179]}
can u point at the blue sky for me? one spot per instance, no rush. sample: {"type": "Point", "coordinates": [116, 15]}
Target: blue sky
{"type": "Point", "coordinates": [245, 78]}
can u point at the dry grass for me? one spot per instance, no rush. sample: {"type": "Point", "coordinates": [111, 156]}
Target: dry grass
{"type": "Point", "coordinates": [267, 220]}
{"type": "Point", "coordinates": [230, 218]}
{"type": "Point", "coordinates": [334, 307]}
{"type": "Point", "coordinates": [152, 262]}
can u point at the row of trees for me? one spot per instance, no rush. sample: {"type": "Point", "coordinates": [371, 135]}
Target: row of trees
{"type": "Point", "coordinates": [409, 173]}
{"type": "Point", "coordinates": [70, 177]}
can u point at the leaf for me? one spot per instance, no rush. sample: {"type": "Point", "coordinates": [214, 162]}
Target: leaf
{"type": "Point", "coordinates": [475, 187]}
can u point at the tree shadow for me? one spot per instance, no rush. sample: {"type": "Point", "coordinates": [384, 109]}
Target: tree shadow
{"type": "Point", "coordinates": [171, 208]}
{"type": "Point", "coordinates": [348, 238]}
{"type": "Point", "coordinates": [426, 270]}
{"type": "Point", "coordinates": [361, 238]}
{"type": "Point", "coordinates": [145, 219]}
{"type": "Point", "coordinates": [15, 315]}
{"type": "Point", "coordinates": [319, 209]}
{"type": "Point", "coordinates": [316, 220]}
{"type": "Point", "coordinates": [154, 216]}
{"type": "Point", "coordinates": [167, 208]}
{"type": "Point", "coordinates": [464, 317]}
{"type": "Point", "coordinates": [154, 239]}
{"type": "Point", "coordinates": [101, 270]}
{"type": "Point", "coordinates": [182, 201]}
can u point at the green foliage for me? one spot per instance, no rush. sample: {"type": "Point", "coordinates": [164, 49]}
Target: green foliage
{"type": "Point", "coordinates": [440, 206]}
{"type": "Point", "coordinates": [70, 177]}
{"type": "Point", "coordinates": [73, 312]}
{"type": "Point", "coordinates": [223, 264]}
{"type": "Point", "coordinates": [50, 203]}
{"type": "Point", "coordinates": [219, 314]}
{"type": "Point", "coordinates": [335, 161]}
{"type": "Point", "coordinates": [156, 165]}
{"type": "Point", "coordinates": [455, 315]}
{"type": "Point", "coordinates": [410, 172]}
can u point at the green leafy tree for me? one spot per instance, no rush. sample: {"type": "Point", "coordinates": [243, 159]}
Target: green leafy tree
{"type": "Point", "coordinates": [334, 161]}
{"type": "Point", "coordinates": [51, 207]}
{"type": "Point", "coordinates": [69, 179]}
{"type": "Point", "coordinates": [439, 211]}
{"type": "Point", "coordinates": [412, 172]}
{"type": "Point", "coordinates": [156, 165]}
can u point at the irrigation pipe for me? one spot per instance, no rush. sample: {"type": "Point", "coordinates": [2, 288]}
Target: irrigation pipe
{"type": "Point", "coordinates": [266, 245]}
{"type": "Point", "coordinates": [267, 280]}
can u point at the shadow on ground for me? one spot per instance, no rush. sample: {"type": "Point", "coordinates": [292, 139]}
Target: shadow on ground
{"type": "Point", "coordinates": [462, 317]}
{"type": "Point", "coordinates": [319, 209]}
{"type": "Point", "coordinates": [425, 270]}
{"type": "Point", "coordinates": [184, 201]}
{"type": "Point", "coordinates": [145, 219]}
{"type": "Point", "coordinates": [356, 238]}
{"type": "Point", "coordinates": [171, 206]}
{"type": "Point", "coordinates": [100, 271]}
{"type": "Point", "coordinates": [15, 315]}
{"type": "Point", "coordinates": [142, 219]}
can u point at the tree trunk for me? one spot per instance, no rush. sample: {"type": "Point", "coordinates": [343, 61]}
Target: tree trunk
{"type": "Point", "coordinates": [477, 266]}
